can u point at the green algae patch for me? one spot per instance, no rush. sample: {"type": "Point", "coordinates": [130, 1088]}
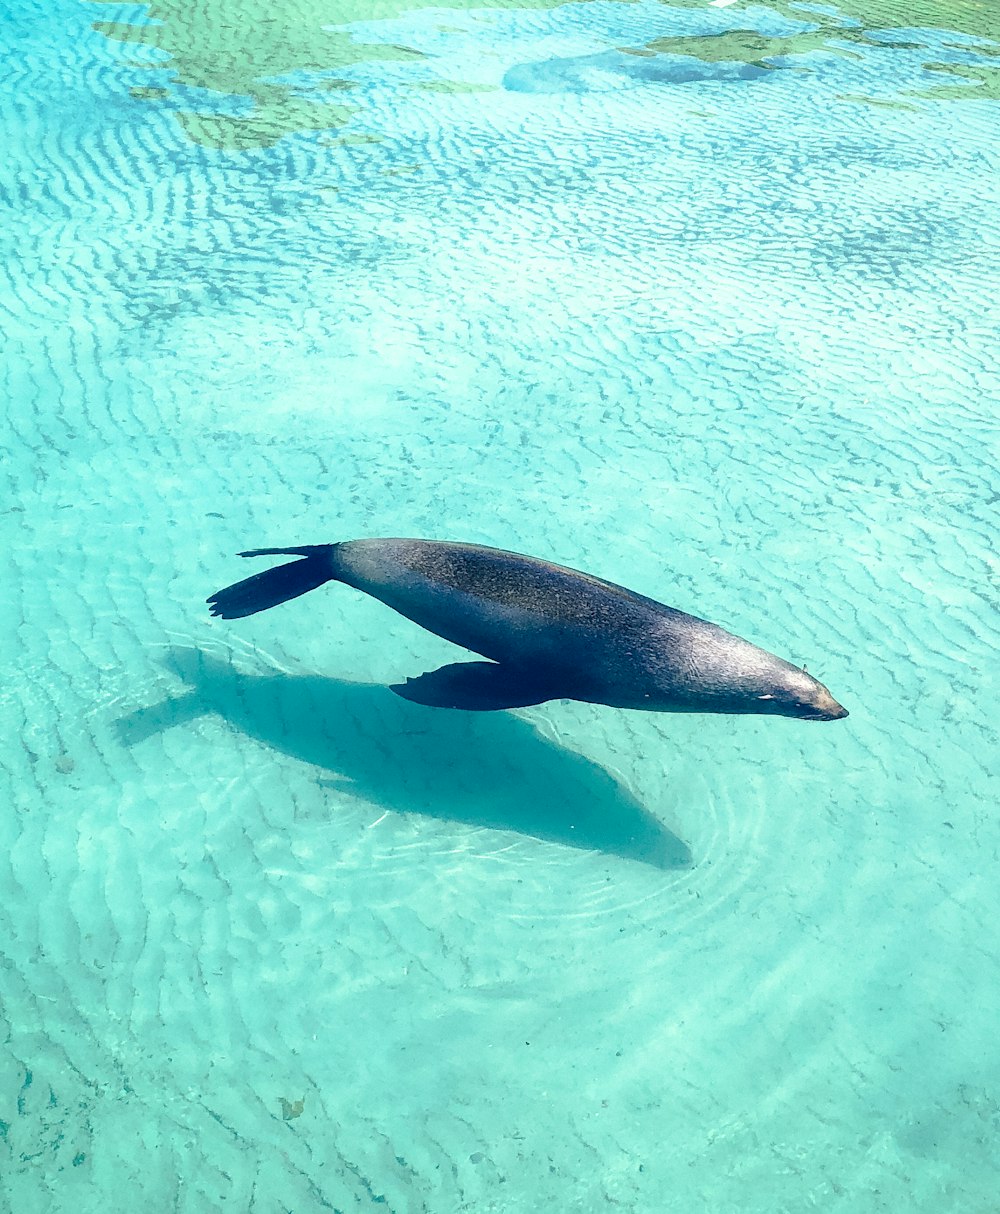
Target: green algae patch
{"type": "Point", "coordinates": [241, 51]}
{"type": "Point", "coordinates": [148, 35]}
{"type": "Point", "coordinates": [240, 56]}
{"type": "Point", "coordinates": [150, 93]}
{"type": "Point", "coordinates": [831, 36]}
{"type": "Point", "coordinates": [748, 46]}
{"type": "Point", "coordinates": [350, 140]}
{"type": "Point", "coordinates": [264, 125]}
{"type": "Point", "coordinates": [981, 83]}
{"type": "Point", "coordinates": [885, 103]}
{"type": "Point", "coordinates": [976, 18]}
{"type": "Point", "coordinates": [453, 86]}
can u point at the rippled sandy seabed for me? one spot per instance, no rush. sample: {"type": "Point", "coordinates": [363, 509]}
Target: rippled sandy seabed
{"type": "Point", "coordinates": [701, 299]}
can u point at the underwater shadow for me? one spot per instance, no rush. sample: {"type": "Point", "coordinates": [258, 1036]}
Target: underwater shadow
{"type": "Point", "coordinates": [605, 71]}
{"type": "Point", "coordinates": [482, 769]}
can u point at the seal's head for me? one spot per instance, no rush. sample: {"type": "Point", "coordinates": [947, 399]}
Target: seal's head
{"type": "Point", "coordinates": [728, 674]}
{"type": "Point", "coordinates": [797, 694]}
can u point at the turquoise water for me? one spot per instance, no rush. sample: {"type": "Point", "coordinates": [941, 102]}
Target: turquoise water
{"type": "Point", "coordinates": [722, 329]}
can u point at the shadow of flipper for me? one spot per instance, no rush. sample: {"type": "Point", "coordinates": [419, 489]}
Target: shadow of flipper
{"type": "Point", "coordinates": [494, 770]}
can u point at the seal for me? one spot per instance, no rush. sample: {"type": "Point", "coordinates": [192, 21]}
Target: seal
{"type": "Point", "coordinates": [550, 633]}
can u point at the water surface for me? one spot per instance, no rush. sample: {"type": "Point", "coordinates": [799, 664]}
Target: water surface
{"type": "Point", "coordinates": [699, 299]}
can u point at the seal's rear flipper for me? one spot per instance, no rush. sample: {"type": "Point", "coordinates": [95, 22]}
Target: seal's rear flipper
{"type": "Point", "coordinates": [477, 687]}
{"type": "Point", "coordinates": [274, 586]}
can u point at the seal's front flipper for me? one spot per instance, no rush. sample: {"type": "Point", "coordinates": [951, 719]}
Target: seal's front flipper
{"type": "Point", "coordinates": [476, 687]}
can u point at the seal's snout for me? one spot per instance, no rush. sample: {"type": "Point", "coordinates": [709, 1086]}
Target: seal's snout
{"type": "Point", "coordinates": [826, 707]}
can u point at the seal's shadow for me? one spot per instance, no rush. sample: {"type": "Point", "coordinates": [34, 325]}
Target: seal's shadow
{"type": "Point", "coordinates": [483, 769]}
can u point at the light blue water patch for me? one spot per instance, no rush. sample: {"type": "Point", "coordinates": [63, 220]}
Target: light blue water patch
{"type": "Point", "coordinates": [274, 938]}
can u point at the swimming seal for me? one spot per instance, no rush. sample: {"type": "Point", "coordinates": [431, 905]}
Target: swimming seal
{"type": "Point", "coordinates": [551, 633]}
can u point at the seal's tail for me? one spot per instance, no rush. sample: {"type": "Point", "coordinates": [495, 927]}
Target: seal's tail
{"type": "Point", "coordinates": [278, 585]}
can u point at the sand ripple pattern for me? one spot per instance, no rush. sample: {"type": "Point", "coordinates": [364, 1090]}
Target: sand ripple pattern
{"type": "Point", "coordinates": [272, 938]}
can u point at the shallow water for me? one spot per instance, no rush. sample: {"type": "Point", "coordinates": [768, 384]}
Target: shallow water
{"type": "Point", "coordinates": [712, 314]}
